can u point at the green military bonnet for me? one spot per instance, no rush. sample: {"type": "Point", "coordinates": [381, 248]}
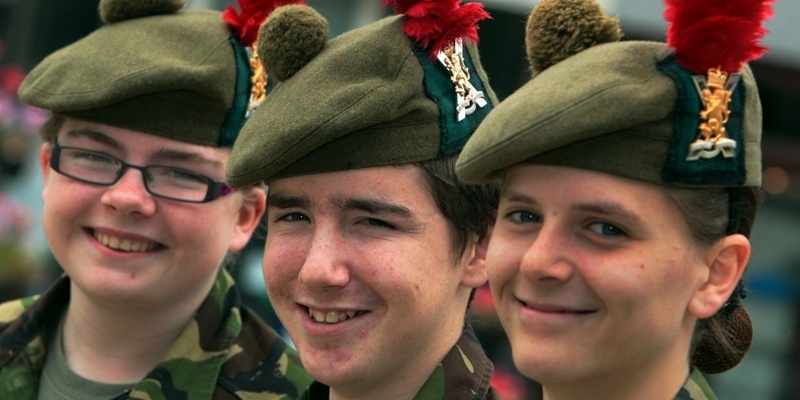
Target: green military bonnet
{"type": "Point", "coordinates": [153, 68]}
{"type": "Point", "coordinates": [624, 108]}
{"type": "Point", "coordinates": [369, 97]}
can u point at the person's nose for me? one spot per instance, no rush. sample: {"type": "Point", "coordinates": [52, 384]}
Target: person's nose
{"type": "Point", "coordinates": [326, 264]}
{"type": "Point", "coordinates": [547, 259]}
{"type": "Point", "coordinates": [129, 195]}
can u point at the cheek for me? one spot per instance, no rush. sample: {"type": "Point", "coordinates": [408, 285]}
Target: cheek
{"type": "Point", "coordinates": [503, 258]}
{"type": "Point", "coordinates": [282, 262]}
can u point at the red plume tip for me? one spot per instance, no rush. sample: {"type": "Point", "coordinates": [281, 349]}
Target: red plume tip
{"type": "Point", "coordinates": [435, 24]}
{"type": "Point", "coordinates": [245, 23]}
{"type": "Point", "coordinates": [720, 34]}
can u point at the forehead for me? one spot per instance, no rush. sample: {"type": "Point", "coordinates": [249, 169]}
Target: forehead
{"type": "Point", "coordinates": [404, 184]}
{"type": "Point", "coordinates": [130, 141]}
{"type": "Point", "coordinates": [574, 186]}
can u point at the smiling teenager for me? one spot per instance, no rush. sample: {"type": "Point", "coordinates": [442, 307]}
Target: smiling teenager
{"type": "Point", "coordinates": [373, 246]}
{"type": "Point", "coordinates": [136, 212]}
{"type": "Point", "coordinates": [629, 184]}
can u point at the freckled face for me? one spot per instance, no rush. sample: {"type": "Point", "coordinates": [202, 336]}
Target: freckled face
{"type": "Point", "coordinates": [591, 274]}
{"type": "Point", "coordinates": [359, 268]}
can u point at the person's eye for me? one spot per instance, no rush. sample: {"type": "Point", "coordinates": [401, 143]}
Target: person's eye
{"type": "Point", "coordinates": [523, 217]}
{"type": "Point", "coordinates": [606, 229]}
{"type": "Point", "coordinates": [379, 223]}
{"type": "Point", "coordinates": [185, 176]}
{"type": "Point", "coordinates": [91, 157]}
{"type": "Point", "coordinates": [292, 217]}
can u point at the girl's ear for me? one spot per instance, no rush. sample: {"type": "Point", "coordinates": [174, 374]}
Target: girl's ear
{"type": "Point", "coordinates": [726, 261]}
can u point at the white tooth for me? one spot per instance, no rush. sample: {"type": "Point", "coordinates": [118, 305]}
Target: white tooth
{"type": "Point", "coordinates": [310, 313]}
{"type": "Point", "coordinates": [332, 317]}
{"type": "Point", "coordinates": [125, 245]}
{"type": "Point", "coordinates": [102, 239]}
{"type": "Point", "coordinates": [318, 316]}
{"type": "Point", "coordinates": [136, 246]}
{"type": "Point", "coordinates": [113, 243]}
{"type": "Point", "coordinates": [342, 316]}
{"type": "Point", "coordinates": [351, 314]}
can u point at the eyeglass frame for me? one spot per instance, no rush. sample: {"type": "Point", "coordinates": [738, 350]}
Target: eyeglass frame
{"type": "Point", "coordinates": [215, 190]}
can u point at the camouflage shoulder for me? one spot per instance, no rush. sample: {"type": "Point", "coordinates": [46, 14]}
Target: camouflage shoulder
{"type": "Point", "coordinates": [262, 364]}
{"type": "Point", "coordinates": [12, 309]}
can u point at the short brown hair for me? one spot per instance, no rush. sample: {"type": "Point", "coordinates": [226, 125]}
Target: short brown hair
{"type": "Point", "coordinates": [469, 209]}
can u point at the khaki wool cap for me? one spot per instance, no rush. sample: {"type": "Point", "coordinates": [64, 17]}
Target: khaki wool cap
{"type": "Point", "coordinates": [623, 108]}
{"type": "Point", "coordinates": [153, 68]}
{"type": "Point", "coordinates": [369, 97]}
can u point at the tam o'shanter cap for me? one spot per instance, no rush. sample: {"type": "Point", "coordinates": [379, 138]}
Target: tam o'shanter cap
{"type": "Point", "coordinates": [381, 94]}
{"type": "Point", "coordinates": [155, 68]}
{"type": "Point", "coordinates": [681, 113]}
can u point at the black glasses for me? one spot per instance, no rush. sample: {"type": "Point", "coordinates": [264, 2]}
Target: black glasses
{"type": "Point", "coordinates": [160, 181]}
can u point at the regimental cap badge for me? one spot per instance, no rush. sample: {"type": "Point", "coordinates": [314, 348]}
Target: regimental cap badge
{"type": "Point", "coordinates": [467, 97]}
{"type": "Point", "coordinates": [715, 91]}
{"type": "Point", "coordinates": [714, 40]}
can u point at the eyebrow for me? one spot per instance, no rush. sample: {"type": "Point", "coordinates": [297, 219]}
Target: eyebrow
{"type": "Point", "coordinates": [599, 207]}
{"type": "Point", "coordinates": [99, 137]}
{"type": "Point", "coordinates": [609, 208]}
{"type": "Point", "coordinates": [376, 207]}
{"type": "Point", "coordinates": [163, 154]}
{"type": "Point", "coordinates": [511, 195]}
{"type": "Point", "coordinates": [277, 200]}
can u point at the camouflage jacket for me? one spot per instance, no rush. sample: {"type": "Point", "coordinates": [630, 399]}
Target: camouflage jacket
{"type": "Point", "coordinates": [225, 353]}
{"type": "Point", "coordinates": [696, 388]}
{"type": "Point", "coordinates": [464, 373]}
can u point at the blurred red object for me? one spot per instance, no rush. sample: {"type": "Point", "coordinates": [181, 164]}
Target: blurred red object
{"type": "Point", "coordinates": [11, 76]}
{"type": "Point", "coordinates": [509, 386]}
{"type": "Point", "coordinates": [483, 303]}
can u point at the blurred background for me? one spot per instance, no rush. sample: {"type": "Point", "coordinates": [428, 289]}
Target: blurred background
{"type": "Point", "coordinates": [31, 29]}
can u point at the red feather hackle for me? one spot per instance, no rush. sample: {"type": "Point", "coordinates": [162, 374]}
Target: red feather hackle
{"type": "Point", "coordinates": [435, 24]}
{"type": "Point", "coordinates": [252, 14]}
{"type": "Point", "coordinates": [720, 34]}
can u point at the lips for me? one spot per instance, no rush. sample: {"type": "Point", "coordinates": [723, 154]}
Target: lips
{"type": "Point", "coordinates": [553, 308]}
{"type": "Point", "coordinates": [331, 316]}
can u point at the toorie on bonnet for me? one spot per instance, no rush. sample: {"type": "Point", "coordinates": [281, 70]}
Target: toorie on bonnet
{"type": "Point", "coordinates": [156, 68]}
{"type": "Point", "coordinates": [407, 88]}
{"type": "Point", "coordinates": [681, 113]}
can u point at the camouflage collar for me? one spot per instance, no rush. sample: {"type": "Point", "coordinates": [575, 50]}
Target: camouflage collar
{"type": "Point", "coordinates": [696, 388]}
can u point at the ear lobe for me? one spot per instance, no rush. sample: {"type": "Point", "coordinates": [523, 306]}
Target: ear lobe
{"type": "Point", "coordinates": [726, 262]}
{"type": "Point", "coordinates": [251, 209]}
{"type": "Point", "coordinates": [475, 271]}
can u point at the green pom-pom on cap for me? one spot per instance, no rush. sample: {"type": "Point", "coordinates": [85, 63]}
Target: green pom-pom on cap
{"type": "Point", "coordinates": [557, 29]}
{"type": "Point", "coordinates": [290, 38]}
{"type": "Point", "coordinates": [120, 10]}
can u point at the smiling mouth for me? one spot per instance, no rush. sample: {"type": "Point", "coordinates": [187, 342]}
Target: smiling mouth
{"type": "Point", "coordinates": [332, 317]}
{"type": "Point", "coordinates": [124, 245]}
{"type": "Point", "coordinates": [553, 309]}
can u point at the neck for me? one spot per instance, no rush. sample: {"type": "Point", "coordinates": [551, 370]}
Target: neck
{"type": "Point", "coordinates": [660, 380]}
{"type": "Point", "coordinates": [110, 344]}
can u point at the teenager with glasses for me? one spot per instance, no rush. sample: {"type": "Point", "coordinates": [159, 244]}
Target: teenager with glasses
{"type": "Point", "coordinates": [138, 216]}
